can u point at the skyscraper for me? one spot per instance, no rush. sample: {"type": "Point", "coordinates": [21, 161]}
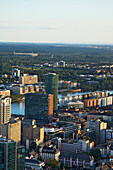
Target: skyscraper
{"type": "Point", "coordinates": [52, 88]}
{"type": "Point", "coordinates": [7, 154]}
{"type": "Point", "coordinates": [5, 111]}
{"type": "Point", "coordinates": [39, 107]}
{"type": "Point", "coordinates": [20, 158]}
{"type": "Point", "coordinates": [12, 157]}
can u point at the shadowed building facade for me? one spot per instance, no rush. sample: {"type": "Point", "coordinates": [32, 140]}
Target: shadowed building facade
{"type": "Point", "coordinates": [31, 133]}
{"type": "Point", "coordinates": [39, 107]}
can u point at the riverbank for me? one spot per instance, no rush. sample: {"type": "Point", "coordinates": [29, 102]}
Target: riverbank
{"type": "Point", "coordinates": [18, 108]}
{"type": "Point", "coordinates": [69, 90]}
{"type": "Point", "coordinates": [17, 98]}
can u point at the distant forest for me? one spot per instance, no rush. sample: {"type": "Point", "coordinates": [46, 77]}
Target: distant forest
{"type": "Point", "coordinates": [51, 53]}
{"type": "Point", "coordinates": [77, 54]}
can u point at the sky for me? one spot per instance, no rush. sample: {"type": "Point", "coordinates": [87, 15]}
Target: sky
{"type": "Point", "coordinates": [57, 21]}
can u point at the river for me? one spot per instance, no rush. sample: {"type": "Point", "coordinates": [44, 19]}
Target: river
{"type": "Point", "coordinates": [19, 107]}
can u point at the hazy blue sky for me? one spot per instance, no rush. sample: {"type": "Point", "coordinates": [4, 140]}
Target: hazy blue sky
{"type": "Point", "coordinates": [62, 21]}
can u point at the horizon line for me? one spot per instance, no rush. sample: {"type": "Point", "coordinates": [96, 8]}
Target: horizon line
{"type": "Point", "coordinates": [63, 43]}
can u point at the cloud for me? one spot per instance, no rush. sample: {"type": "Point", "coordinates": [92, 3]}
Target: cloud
{"type": "Point", "coordinates": [109, 27]}
{"type": "Point", "coordinates": [45, 28]}
{"type": "Point", "coordinates": [8, 26]}
{"type": "Point", "coordinates": [23, 26]}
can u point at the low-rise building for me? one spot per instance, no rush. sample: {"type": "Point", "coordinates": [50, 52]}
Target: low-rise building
{"type": "Point", "coordinates": [76, 146]}
{"type": "Point", "coordinates": [4, 93]}
{"type": "Point", "coordinates": [15, 73]}
{"type": "Point", "coordinates": [76, 160]}
{"type": "Point", "coordinates": [18, 89]}
{"type": "Point", "coordinates": [51, 133]}
{"type": "Point", "coordinates": [46, 153]}
{"type": "Point", "coordinates": [33, 164]}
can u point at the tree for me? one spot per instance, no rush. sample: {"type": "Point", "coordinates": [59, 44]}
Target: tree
{"type": "Point", "coordinates": [53, 164]}
{"type": "Point", "coordinates": [96, 154]}
{"type": "Point", "coordinates": [33, 145]}
{"type": "Point", "coordinates": [88, 138]}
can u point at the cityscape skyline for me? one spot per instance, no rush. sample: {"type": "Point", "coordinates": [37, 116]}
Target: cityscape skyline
{"type": "Point", "coordinates": [56, 84]}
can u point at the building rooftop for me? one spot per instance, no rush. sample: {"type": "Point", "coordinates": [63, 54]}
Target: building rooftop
{"type": "Point", "coordinates": [51, 74]}
{"type": "Point", "coordinates": [5, 140]}
{"type": "Point", "coordinates": [27, 160]}
{"type": "Point", "coordinates": [74, 155]}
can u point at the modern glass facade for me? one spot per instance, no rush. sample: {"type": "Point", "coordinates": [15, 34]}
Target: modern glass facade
{"type": "Point", "coordinates": [11, 156]}
{"type": "Point", "coordinates": [52, 88]}
{"type": "Point", "coordinates": [21, 158]}
{"type": "Point", "coordinates": [1, 156]}
{"type": "Point", "coordinates": [38, 106]}
{"type": "Point", "coordinates": [7, 154]}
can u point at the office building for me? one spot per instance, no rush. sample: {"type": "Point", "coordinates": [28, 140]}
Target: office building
{"type": "Point", "coordinates": [31, 133]}
{"type": "Point", "coordinates": [23, 89]}
{"type": "Point", "coordinates": [78, 146]}
{"type": "Point", "coordinates": [5, 111]}
{"type": "Point", "coordinates": [51, 133]}
{"type": "Point", "coordinates": [39, 107]}
{"type": "Point", "coordinates": [52, 88]}
{"type": "Point", "coordinates": [28, 79]}
{"type": "Point", "coordinates": [12, 157]}
{"type": "Point", "coordinates": [7, 154]}
{"type": "Point", "coordinates": [4, 93]}
{"type": "Point", "coordinates": [12, 129]}
{"type": "Point", "coordinates": [20, 158]}
{"type": "Point", "coordinates": [99, 130]}
{"type": "Point", "coordinates": [15, 73]}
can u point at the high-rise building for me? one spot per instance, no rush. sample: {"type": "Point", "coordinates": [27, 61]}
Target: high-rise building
{"type": "Point", "coordinates": [39, 107]}
{"type": "Point", "coordinates": [52, 88]}
{"type": "Point", "coordinates": [15, 73]}
{"type": "Point", "coordinates": [28, 79]}
{"type": "Point", "coordinates": [5, 111]}
{"type": "Point", "coordinates": [31, 133]}
{"type": "Point", "coordinates": [12, 129]}
{"type": "Point", "coordinates": [7, 154]}
{"type": "Point", "coordinates": [12, 157]}
{"type": "Point", "coordinates": [20, 158]}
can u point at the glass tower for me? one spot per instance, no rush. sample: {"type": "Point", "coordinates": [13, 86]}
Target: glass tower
{"type": "Point", "coordinates": [52, 88]}
{"type": "Point", "coordinates": [7, 154]}
{"type": "Point", "coordinates": [12, 157]}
